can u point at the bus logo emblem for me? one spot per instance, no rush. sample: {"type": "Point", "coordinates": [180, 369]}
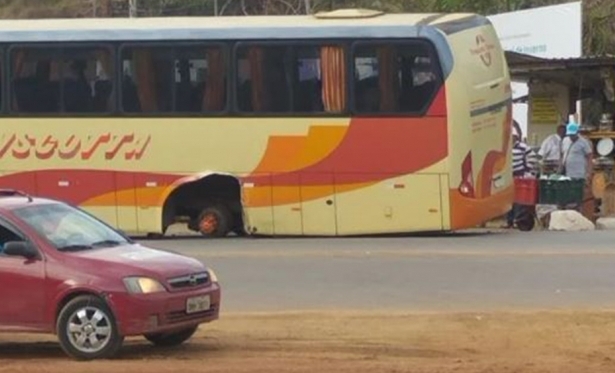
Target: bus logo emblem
{"type": "Point", "coordinates": [483, 50]}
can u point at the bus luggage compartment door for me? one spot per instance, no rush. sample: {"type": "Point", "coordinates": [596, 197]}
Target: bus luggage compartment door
{"type": "Point", "coordinates": [410, 203]}
{"type": "Point", "coordinates": [318, 204]}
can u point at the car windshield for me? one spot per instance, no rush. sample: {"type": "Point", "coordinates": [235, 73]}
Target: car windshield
{"type": "Point", "coordinates": [69, 228]}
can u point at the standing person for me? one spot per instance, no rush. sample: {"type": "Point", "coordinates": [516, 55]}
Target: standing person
{"type": "Point", "coordinates": [524, 161]}
{"type": "Point", "coordinates": [524, 157]}
{"type": "Point", "coordinates": [577, 160]}
{"type": "Point", "coordinates": [551, 148]}
{"type": "Point", "coordinates": [577, 154]}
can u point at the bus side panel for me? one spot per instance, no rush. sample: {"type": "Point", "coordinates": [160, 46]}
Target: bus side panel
{"type": "Point", "coordinates": [403, 204]}
{"type": "Point", "coordinates": [259, 218]}
{"type": "Point", "coordinates": [480, 110]}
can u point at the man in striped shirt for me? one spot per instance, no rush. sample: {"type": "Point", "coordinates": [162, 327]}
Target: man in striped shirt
{"type": "Point", "coordinates": [524, 158]}
{"type": "Point", "coordinates": [524, 161]}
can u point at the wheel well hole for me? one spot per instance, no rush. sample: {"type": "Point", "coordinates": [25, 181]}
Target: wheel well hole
{"type": "Point", "coordinates": [189, 199]}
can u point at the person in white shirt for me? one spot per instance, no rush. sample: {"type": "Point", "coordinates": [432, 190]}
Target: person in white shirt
{"type": "Point", "coordinates": [551, 147]}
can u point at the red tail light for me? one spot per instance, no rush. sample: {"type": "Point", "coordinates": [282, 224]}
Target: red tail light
{"type": "Point", "coordinates": [466, 188]}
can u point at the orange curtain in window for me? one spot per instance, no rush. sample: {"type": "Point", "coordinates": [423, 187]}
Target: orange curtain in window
{"type": "Point", "coordinates": [145, 77]}
{"type": "Point", "coordinates": [388, 79]}
{"type": "Point", "coordinates": [55, 70]}
{"type": "Point", "coordinates": [333, 72]}
{"type": "Point", "coordinates": [259, 97]}
{"type": "Point", "coordinates": [19, 60]}
{"type": "Point", "coordinates": [215, 86]}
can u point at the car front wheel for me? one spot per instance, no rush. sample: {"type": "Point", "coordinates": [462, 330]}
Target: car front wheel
{"type": "Point", "coordinates": [171, 339]}
{"type": "Point", "coordinates": [87, 329]}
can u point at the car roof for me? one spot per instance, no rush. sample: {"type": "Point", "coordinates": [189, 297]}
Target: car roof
{"type": "Point", "coordinates": [14, 199]}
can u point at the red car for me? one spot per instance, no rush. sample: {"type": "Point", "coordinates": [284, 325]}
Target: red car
{"type": "Point", "coordinates": [65, 272]}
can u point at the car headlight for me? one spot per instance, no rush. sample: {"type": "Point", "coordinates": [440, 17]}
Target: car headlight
{"type": "Point", "coordinates": [143, 285]}
{"type": "Point", "coordinates": [212, 275]}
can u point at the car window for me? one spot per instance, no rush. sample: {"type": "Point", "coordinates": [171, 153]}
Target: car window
{"type": "Point", "coordinates": [7, 235]}
{"type": "Point", "coordinates": [69, 228]}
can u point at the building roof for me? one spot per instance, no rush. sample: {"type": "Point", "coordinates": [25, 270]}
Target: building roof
{"type": "Point", "coordinates": [579, 72]}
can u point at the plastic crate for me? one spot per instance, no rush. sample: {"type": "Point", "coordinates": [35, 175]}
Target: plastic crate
{"type": "Point", "coordinates": [526, 191]}
{"type": "Point", "coordinates": [561, 192]}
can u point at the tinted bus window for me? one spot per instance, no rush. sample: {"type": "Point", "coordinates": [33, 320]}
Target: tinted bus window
{"type": "Point", "coordinates": [305, 79]}
{"type": "Point", "coordinates": [36, 80]}
{"type": "Point", "coordinates": [320, 79]}
{"type": "Point", "coordinates": [262, 79]}
{"type": "Point", "coordinates": [62, 80]}
{"type": "Point", "coordinates": [88, 80]}
{"type": "Point", "coordinates": [394, 78]}
{"type": "Point", "coordinates": [185, 79]}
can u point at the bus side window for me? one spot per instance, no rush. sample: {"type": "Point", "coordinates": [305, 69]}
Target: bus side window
{"type": "Point", "coordinates": [200, 79]}
{"type": "Point", "coordinates": [262, 79]}
{"type": "Point", "coordinates": [307, 80]}
{"type": "Point", "coordinates": [186, 79]}
{"type": "Point", "coordinates": [394, 78]}
{"type": "Point", "coordinates": [319, 79]}
{"type": "Point", "coordinates": [87, 80]}
{"type": "Point", "coordinates": [61, 80]}
{"type": "Point", "coordinates": [35, 80]}
{"type": "Point", "coordinates": [147, 79]}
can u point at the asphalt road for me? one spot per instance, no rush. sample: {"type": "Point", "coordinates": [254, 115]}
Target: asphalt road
{"type": "Point", "coordinates": [473, 271]}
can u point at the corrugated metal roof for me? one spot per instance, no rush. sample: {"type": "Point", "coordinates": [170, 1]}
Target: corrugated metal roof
{"type": "Point", "coordinates": [578, 72]}
{"type": "Point", "coordinates": [524, 62]}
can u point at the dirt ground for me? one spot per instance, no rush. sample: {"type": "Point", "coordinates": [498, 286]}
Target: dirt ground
{"type": "Point", "coordinates": [343, 342]}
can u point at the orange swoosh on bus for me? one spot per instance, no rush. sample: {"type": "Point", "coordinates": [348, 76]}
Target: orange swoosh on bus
{"type": "Point", "coordinates": [372, 150]}
{"type": "Point", "coordinates": [290, 153]}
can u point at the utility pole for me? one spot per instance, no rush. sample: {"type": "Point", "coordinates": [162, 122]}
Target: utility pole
{"type": "Point", "coordinates": [132, 8]}
{"type": "Point", "coordinates": [216, 8]}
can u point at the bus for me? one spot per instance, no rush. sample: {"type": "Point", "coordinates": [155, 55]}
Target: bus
{"type": "Point", "coordinates": [342, 123]}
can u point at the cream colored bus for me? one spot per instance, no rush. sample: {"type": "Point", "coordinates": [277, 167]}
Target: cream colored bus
{"type": "Point", "coordinates": [342, 123]}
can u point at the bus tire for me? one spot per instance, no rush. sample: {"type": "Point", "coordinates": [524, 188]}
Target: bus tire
{"type": "Point", "coordinates": [215, 221]}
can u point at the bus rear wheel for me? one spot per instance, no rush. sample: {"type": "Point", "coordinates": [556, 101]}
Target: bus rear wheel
{"type": "Point", "coordinates": [214, 221]}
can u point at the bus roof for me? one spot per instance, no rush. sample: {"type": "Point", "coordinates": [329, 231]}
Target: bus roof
{"type": "Point", "coordinates": [234, 27]}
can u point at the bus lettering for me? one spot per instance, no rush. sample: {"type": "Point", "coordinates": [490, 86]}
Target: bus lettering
{"type": "Point", "coordinates": [70, 149]}
{"type": "Point", "coordinates": [21, 146]}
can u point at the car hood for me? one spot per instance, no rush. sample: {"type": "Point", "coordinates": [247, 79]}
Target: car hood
{"type": "Point", "coordinates": [135, 259]}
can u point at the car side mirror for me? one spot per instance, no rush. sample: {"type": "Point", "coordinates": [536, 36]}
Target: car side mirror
{"type": "Point", "coordinates": [20, 248]}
